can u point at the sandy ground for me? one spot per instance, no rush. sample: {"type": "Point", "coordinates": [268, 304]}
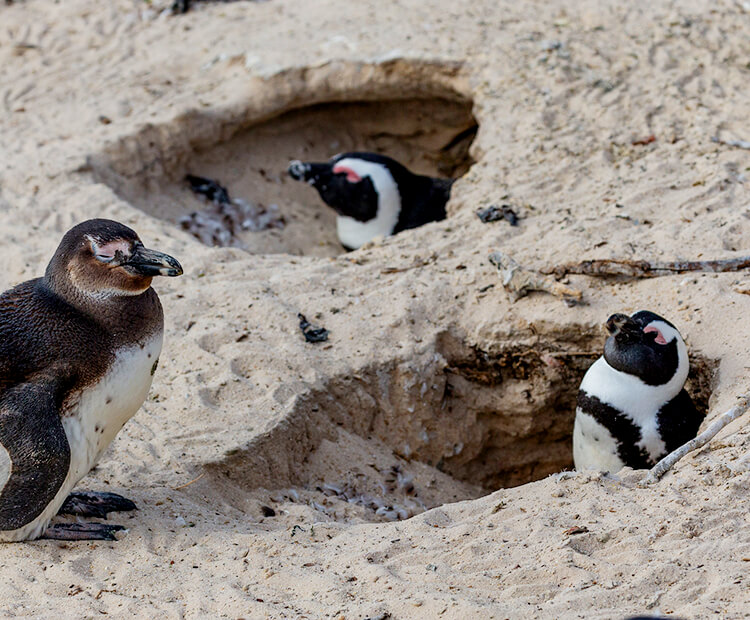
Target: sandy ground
{"type": "Point", "coordinates": [434, 389]}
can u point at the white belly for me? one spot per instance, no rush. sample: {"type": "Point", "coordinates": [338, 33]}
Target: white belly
{"type": "Point", "coordinates": [593, 445]}
{"type": "Point", "coordinates": [91, 422]}
{"type": "Point", "coordinates": [629, 394]}
{"type": "Point", "coordinates": [5, 466]}
{"type": "Point", "coordinates": [104, 408]}
{"type": "Point", "coordinates": [354, 234]}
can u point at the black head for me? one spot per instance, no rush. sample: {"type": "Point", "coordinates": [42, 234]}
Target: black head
{"type": "Point", "coordinates": [353, 183]}
{"type": "Point", "coordinates": [101, 259]}
{"type": "Point", "coordinates": [645, 345]}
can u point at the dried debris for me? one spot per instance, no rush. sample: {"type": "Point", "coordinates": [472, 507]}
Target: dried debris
{"type": "Point", "coordinates": [398, 499]}
{"type": "Point", "coordinates": [644, 141]}
{"type": "Point", "coordinates": [740, 144]}
{"type": "Point", "coordinates": [183, 6]}
{"type": "Point", "coordinates": [578, 529]}
{"type": "Point", "coordinates": [607, 267]}
{"type": "Point", "coordinates": [519, 281]}
{"type": "Point", "coordinates": [228, 217]}
{"type": "Point", "coordinates": [267, 511]}
{"type": "Point", "coordinates": [495, 214]}
{"type": "Point", "coordinates": [211, 190]}
{"type": "Point", "coordinates": [312, 333]}
{"type": "Point", "coordinates": [396, 481]}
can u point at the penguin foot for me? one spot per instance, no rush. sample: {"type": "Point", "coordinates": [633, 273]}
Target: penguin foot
{"type": "Point", "coordinates": [81, 531]}
{"type": "Point", "coordinates": [93, 504]}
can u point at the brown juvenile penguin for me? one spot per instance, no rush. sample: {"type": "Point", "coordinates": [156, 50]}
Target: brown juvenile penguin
{"type": "Point", "coordinates": [78, 350]}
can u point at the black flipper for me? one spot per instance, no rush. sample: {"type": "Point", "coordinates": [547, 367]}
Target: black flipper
{"type": "Point", "coordinates": [93, 504]}
{"type": "Point", "coordinates": [81, 531]}
{"type": "Point", "coordinates": [679, 421]}
{"type": "Point", "coordinates": [625, 433]}
{"type": "Point", "coordinates": [33, 435]}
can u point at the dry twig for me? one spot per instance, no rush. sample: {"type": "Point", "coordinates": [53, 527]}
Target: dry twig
{"type": "Point", "coordinates": [609, 267]}
{"type": "Point", "coordinates": [187, 484]}
{"type": "Point", "coordinates": [519, 281]}
{"type": "Point", "coordinates": [740, 144]}
{"type": "Point", "coordinates": [658, 470]}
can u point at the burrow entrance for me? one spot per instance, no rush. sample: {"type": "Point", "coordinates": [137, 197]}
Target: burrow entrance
{"type": "Point", "coordinates": [456, 423]}
{"type": "Point", "coordinates": [429, 135]}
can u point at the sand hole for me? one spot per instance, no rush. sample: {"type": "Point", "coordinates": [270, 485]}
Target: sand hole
{"type": "Point", "coordinates": [430, 135]}
{"type": "Point", "coordinates": [455, 423]}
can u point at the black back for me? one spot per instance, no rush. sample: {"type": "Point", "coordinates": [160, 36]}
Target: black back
{"type": "Point", "coordinates": [679, 421]}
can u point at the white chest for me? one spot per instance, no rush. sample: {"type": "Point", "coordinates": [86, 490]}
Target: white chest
{"type": "Point", "coordinates": [354, 234]}
{"type": "Point", "coordinates": [102, 409]}
{"type": "Point", "coordinates": [593, 445]}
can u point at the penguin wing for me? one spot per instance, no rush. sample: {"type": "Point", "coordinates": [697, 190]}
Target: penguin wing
{"type": "Point", "coordinates": [34, 451]}
{"type": "Point", "coordinates": [678, 421]}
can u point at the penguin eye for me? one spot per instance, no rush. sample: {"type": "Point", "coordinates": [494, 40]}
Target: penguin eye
{"type": "Point", "coordinates": [351, 176]}
{"type": "Point", "coordinates": [659, 336]}
{"type": "Point", "coordinates": [103, 257]}
{"type": "Point", "coordinates": [107, 252]}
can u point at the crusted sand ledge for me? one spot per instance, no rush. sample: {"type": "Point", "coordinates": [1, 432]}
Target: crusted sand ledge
{"type": "Point", "coordinates": [104, 108]}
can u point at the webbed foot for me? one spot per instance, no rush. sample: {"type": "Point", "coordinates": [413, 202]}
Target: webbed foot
{"type": "Point", "coordinates": [93, 504]}
{"type": "Point", "coordinates": [81, 531]}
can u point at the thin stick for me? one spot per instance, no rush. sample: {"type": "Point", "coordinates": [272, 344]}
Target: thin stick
{"type": "Point", "coordinates": [701, 440]}
{"type": "Point", "coordinates": [187, 484]}
{"type": "Point", "coordinates": [608, 267]}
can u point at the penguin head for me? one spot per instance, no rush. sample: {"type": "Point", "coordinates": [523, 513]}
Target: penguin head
{"type": "Point", "coordinates": [356, 185]}
{"type": "Point", "coordinates": [102, 259]}
{"type": "Point", "coordinates": [647, 346]}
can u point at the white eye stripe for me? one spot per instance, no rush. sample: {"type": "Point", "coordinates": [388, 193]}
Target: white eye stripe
{"type": "Point", "coordinates": [666, 332]}
{"type": "Point", "coordinates": [659, 337]}
{"type": "Point", "coordinates": [353, 233]}
{"type": "Point", "coordinates": [351, 175]}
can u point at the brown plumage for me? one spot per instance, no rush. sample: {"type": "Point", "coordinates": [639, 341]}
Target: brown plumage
{"type": "Point", "coordinates": [61, 336]}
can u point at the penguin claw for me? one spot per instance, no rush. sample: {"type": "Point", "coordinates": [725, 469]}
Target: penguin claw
{"type": "Point", "coordinates": [93, 504]}
{"type": "Point", "coordinates": [81, 531]}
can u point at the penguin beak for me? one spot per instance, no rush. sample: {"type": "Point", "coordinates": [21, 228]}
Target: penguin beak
{"type": "Point", "coordinates": [145, 262]}
{"type": "Point", "coordinates": [619, 323]}
{"type": "Point", "coordinates": [311, 173]}
{"type": "Point", "coordinates": [298, 170]}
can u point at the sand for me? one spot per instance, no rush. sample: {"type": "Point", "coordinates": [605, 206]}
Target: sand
{"type": "Point", "coordinates": [434, 391]}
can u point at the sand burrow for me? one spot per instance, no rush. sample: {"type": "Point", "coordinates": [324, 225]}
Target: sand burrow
{"type": "Point", "coordinates": [429, 127]}
{"type": "Point", "coordinates": [454, 423]}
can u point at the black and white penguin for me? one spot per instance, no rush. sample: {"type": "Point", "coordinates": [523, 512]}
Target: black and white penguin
{"type": "Point", "coordinates": [374, 195]}
{"type": "Point", "coordinates": [78, 350]}
{"type": "Point", "coordinates": [632, 406]}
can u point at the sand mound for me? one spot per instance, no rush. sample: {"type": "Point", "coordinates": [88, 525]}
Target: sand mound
{"type": "Point", "coordinates": [279, 478]}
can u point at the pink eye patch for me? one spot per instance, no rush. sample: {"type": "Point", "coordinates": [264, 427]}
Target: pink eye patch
{"type": "Point", "coordinates": [109, 250]}
{"type": "Point", "coordinates": [351, 176]}
{"type": "Point", "coordinates": [659, 338]}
